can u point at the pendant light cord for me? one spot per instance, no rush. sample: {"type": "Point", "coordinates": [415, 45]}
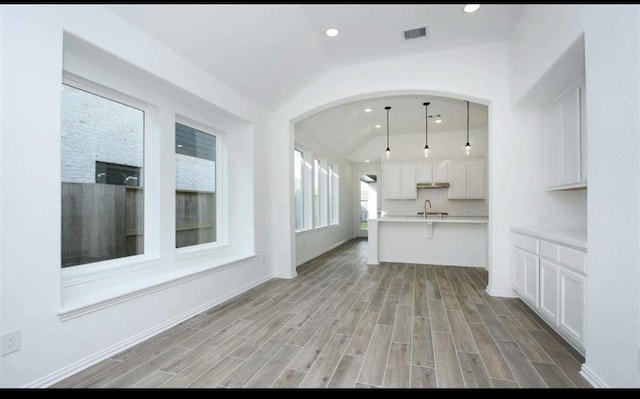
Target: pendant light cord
{"type": "Point", "coordinates": [467, 122]}
{"type": "Point", "coordinates": [387, 108]}
{"type": "Point", "coordinates": [426, 124]}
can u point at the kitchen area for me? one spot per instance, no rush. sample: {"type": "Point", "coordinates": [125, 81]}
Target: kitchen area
{"type": "Point", "coordinates": [434, 209]}
{"type": "Point", "coordinates": [435, 219]}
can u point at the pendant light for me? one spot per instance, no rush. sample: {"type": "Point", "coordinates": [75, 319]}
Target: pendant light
{"type": "Point", "coordinates": [467, 147]}
{"type": "Point", "coordinates": [426, 129]}
{"type": "Point", "coordinates": [388, 150]}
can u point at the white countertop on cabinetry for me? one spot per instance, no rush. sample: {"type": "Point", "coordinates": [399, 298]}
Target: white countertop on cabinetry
{"type": "Point", "coordinates": [432, 219]}
{"type": "Point", "coordinates": [573, 236]}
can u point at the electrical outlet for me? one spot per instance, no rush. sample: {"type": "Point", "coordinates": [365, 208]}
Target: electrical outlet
{"type": "Point", "coordinates": [10, 342]}
{"type": "Point", "coordinates": [543, 219]}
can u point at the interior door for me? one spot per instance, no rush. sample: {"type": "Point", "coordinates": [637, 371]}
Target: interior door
{"type": "Point", "coordinates": [367, 200]}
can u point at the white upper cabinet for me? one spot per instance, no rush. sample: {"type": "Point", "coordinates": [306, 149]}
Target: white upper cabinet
{"type": "Point", "coordinates": [424, 172]}
{"type": "Point", "coordinates": [564, 141]}
{"type": "Point", "coordinates": [432, 171]}
{"type": "Point", "coordinates": [466, 179]}
{"type": "Point", "coordinates": [408, 189]}
{"type": "Point", "coordinates": [399, 180]}
{"type": "Point", "coordinates": [440, 171]}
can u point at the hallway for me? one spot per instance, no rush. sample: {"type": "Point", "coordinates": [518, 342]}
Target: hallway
{"type": "Point", "coordinates": [342, 323]}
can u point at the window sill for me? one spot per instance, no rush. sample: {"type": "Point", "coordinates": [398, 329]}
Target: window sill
{"type": "Point", "coordinates": [89, 300]}
{"type": "Point", "coordinates": [316, 229]}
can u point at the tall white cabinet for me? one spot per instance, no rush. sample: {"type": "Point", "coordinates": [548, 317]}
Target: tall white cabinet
{"type": "Point", "coordinates": [550, 275]}
{"type": "Point", "coordinates": [565, 141]}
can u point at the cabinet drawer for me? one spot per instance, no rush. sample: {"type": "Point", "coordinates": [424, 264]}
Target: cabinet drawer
{"type": "Point", "coordinates": [568, 257]}
{"type": "Point", "coordinates": [572, 258]}
{"type": "Point", "coordinates": [527, 243]}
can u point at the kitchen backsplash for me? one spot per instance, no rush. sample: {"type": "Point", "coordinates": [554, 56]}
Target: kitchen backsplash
{"type": "Point", "coordinates": [439, 203]}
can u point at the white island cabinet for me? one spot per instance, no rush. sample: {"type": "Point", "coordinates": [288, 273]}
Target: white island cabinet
{"type": "Point", "coordinates": [549, 268]}
{"type": "Point", "coordinates": [434, 240]}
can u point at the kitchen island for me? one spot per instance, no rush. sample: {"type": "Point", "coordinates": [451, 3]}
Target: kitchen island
{"type": "Point", "coordinates": [450, 240]}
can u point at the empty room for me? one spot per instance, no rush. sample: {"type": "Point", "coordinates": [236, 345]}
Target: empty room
{"type": "Point", "coordinates": [320, 196]}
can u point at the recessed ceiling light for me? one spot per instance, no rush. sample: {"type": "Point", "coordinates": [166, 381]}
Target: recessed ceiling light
{"type": "Point", "coordinates": [378, 126]}
{"type": "Point", "coordinates": [438, 120]}
{"type": "Point", "coordinates": [471, 8]}
{"type": "Point", "coordinates": [368, 110]}
{"type": "Point", "coordinates": [179, 145]}
{"type": "Point", "coordinates": [367, 161]}
{"type": "Point", "coordinates": [332, 32]}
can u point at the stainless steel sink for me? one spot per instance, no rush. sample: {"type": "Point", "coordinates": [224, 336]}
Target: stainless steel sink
{"type": "Point", "coordinates": [440, 214]}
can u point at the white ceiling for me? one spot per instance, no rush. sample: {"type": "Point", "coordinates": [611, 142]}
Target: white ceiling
{"type": "Point", "coordinates": [269, 52]}
{"type": "Point", "coordinates": [347, 127]}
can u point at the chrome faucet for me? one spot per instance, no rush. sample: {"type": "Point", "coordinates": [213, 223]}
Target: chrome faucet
{"type": "Point", "coordinates": [425, 207]}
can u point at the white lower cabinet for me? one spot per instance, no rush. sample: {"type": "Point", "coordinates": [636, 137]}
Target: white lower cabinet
{"type": "Point", "coordinates": [525, 267]}
{"type": "Point", "coordinates": [551, 279]}
{"type": "Point", "coordinates": [572, 301]}
{"type": "Point", "coordinates": [549, 290]}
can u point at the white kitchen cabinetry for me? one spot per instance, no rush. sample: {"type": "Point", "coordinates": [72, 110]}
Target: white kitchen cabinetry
{"type": "Point", "coordinates": [549, 275]}
{"type": "Point", "coordinates": [399, 180]}
{"type": "Point", "coordinates": [551, 278]}
{"type": "Point", "coordinates": [424, 172]}
{"type": "Point", "coordinates": [466, 179]}
{"type": "Point", "coordinates": [564, 141]}
{"type": "Point", "coordinates": [432, 171]}
{"type": "Point", "coordinates": [525, 275]}
{"type": "Point", "coordinates": [572, 295]}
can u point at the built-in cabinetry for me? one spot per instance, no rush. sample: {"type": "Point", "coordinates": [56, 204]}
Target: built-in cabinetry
{"type": "Point", "coordinates": [432, 171]}
{"type": "Point", "coordinates": [466, 179]}
{"type": "Point", "coordinates": [564, 140]}
{"type": "Point", "coordinates": [399, 180]}
{"type": "Point", "coordinates": [551, 277]}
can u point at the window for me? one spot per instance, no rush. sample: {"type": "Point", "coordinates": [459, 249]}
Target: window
{"type": "Point", "coordinates": [299, 188]}
{"type": "Point", "coordinates": [102, 158]}
{"type": "Point", "coordinates": [334, 197]}
{"type": "Point", "coordinates": [319, 194]}
{"type": "Point", "coordinates": [195, 186]}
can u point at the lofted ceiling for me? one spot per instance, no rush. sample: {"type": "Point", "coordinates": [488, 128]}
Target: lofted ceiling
{"type": "Point", "coordinates": [346, 127]}
{"type": "Point", "coordinates": [269, 52]}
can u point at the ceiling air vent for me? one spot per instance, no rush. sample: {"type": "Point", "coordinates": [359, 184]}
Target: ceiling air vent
{"type": "Point", "coordinates": [415, 33]}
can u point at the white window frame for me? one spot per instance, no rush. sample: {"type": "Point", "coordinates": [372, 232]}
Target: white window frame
{"type": "Point", "coordinates": [322, 209]}
{"type": "Point", "coordinates": [306, 182]}
{"type": "Point", "coordinates": [151, 255]}
{"type": "Point", "coordinates": [334, 194]}
{"type": "Point", "coordinates": [222, 231]}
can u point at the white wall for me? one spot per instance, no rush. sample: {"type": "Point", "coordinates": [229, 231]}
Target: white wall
{"type": "Point", "coordinates": [440, 202]}
{"type": "Point", "coordinates": [478, 74]}
{"type": "Point", "coordinates": [31, 65]}
{"type": "Point", "coordinates": [314, 242]}
{"type": "Point", "coordinates": [611, 39]}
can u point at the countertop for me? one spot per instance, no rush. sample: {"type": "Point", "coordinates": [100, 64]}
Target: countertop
{"type": "Point", "coordinates": [573, 236]}
{"type": "Point", "coordinates": [432, 219]}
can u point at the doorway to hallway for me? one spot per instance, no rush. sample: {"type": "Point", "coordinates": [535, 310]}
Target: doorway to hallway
{"type": "Point", "coordinates": [367, 200]}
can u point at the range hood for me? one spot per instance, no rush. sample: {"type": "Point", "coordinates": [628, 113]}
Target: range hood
{"type": "Point", "coordinates": [432, 185]}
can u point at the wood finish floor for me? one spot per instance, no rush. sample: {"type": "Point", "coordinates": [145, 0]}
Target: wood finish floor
{"type": "Point", "coordinates": [342, 323]}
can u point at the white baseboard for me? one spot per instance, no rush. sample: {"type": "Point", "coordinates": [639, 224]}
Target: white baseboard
{"type": "Point", "coordinates": [592, 378]}
{"type": "Point", "coordinates": [500, 293]}
{"type": "Point", "coordinates": [322, 251]}
{"type": "Point", "coordinates": [288, 276]}
{"type": "Point", "coordinates": [136, 339]}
